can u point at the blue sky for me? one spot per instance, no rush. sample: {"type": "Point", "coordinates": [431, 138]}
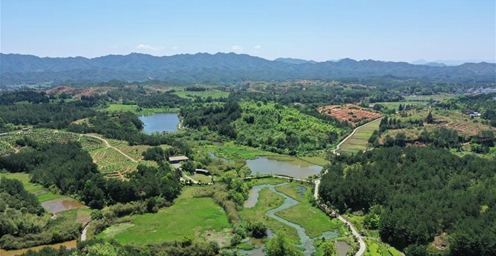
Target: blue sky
{"type": "Point", "coordinates": [391, 30]}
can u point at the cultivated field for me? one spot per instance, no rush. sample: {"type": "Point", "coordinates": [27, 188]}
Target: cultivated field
{"type": "Point", "coordinates": [8, 142]}
{"type": "Point", "coordinates": [359, 140]}
{"type": "Point", "coordinates": [349, 113]}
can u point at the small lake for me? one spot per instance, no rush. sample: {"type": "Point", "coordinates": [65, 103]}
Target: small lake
{"type": "Point", "coordinates": [161, 122]}
{"type": "Point", "coordinates": [295, 168]}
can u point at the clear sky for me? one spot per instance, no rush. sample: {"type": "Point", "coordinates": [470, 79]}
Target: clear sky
{"type": "Point", "coordinates": [395, 30]}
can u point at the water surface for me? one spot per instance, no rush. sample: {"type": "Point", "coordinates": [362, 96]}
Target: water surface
{"type": "Point", "coordinates": [61, 204]}
{"type": "Point", "coordinates": [297, 169]}
{"type": "Point", "coordinates": [161, 122]}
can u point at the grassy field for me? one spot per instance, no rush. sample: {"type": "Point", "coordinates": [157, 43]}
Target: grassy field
{"type": "Point", "coordinates": [189, 216]}
{"type": "Point", "coordinates": [359, 141]}
{"type": "Point", "coordinates": [396, 105]}
{"type": "Point", "coordinates": [437, 97]}
{"type": "Point", "coordinates": [375, 248]}
{"type": "Point", "coordinates": [134, 109]}
{"type": "Point", "coordinates": [48, 196]}
{"type": "Point", "coordinates": [231, 151]}
{"type": "Point", "coordinates": [202, 94]}
{"type": "Point", "coordinates": [304, 214]}
{"type": "Point", "coordinates": [269, 200]}
{"type": "Point", "coordinates": [316, 160]}
{"type": "Point", "coordinates": [24, 178]}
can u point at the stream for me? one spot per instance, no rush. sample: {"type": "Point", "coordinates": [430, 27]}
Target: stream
{"type": "Point", "coordinates": [306, 241]}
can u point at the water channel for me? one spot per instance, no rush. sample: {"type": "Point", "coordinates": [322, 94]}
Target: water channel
{"type": "Point", "coordinates": [306, 241]}
{"type": "Point", "coordinates": [161, 122]}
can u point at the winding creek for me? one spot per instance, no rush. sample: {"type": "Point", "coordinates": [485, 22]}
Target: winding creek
{"type": "Point", "coordinates": [306, 241]}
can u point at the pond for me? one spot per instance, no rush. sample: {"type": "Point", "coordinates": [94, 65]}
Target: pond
{"type": "Point", "coordinates": [294, 167]}
{"type": "Point", "coordinates": [61, 204]}
{"type": "Point", "coordinates": [69, 244]}
{"type": "Point", "coordinates": [161, 122]}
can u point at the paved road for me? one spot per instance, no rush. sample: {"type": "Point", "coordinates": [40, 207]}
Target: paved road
{"type": "Point", "coordinates": [83, 234]}
{"type": "Point", "coordinates": [363, 246]}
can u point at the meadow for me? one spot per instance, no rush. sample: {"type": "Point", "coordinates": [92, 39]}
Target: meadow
{"type": "Point", "coordinates": [304, 214]}
{"type": "Point", "coordinates": [113, 107]}
{"type": "Point", "coordinates": [189, 216]}
{"type": "Point", "coordinates": [269, 200]}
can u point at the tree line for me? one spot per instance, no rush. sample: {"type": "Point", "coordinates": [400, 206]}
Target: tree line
{"type": "Point", "coordinates": [417, 193]}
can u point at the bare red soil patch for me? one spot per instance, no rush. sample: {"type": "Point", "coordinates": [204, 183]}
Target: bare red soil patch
{"type": "Point", "coordinates": [349, 113]}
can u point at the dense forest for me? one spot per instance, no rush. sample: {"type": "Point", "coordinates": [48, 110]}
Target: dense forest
{"type": "Point", "coordinates": [415, 194]}
{"type": "Point", "coordinates": [272, 127]}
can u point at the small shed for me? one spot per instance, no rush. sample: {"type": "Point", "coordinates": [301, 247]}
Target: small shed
{"type": "Point", "coordinates": [202, 171]}
{"type": "Point", "coordinates": [177, 159]}
{"type": "Point", "coordinates": [25, 129]}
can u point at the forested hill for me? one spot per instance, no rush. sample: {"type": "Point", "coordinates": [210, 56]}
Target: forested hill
{"type": "Point", "coordinates": [220, 67]}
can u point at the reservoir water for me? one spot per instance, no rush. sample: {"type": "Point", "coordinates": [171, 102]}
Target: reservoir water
{"type": "Point", "coordinates": [295, 168]}
{"type": "Point", "coordinates": [161, 122]}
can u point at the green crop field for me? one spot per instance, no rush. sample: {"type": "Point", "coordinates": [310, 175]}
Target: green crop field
{"type": "Point", "coordinates": [187, 217]}
{"type": "Point", "coordinates": [359, 140]}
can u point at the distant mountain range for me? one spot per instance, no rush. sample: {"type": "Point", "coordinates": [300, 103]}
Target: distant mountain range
{"type": "Point", "coordinates": [215, 68]}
